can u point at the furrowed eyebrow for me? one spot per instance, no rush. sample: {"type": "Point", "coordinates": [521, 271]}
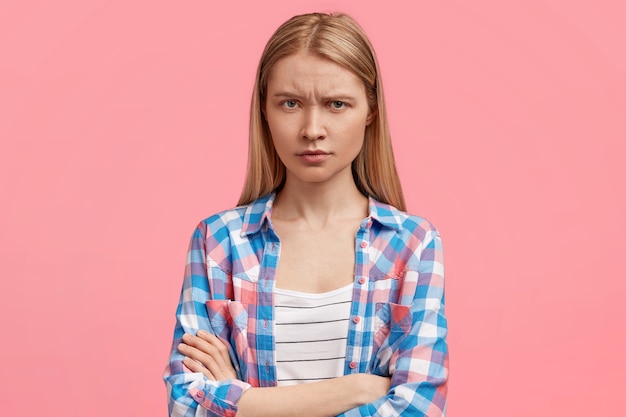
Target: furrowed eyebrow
{"type": "Point", "coordinates": [284, 94]}
{"type": "Point", "coordinates": [338, 97]}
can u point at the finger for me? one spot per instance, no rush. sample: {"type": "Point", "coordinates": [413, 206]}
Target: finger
{"type": "Point", "coordinates": [199, 361]}
{"type": "Point", "coordinates": [195, 366]}
{"type": "Point", "coordinates": [212, 346]}
{"type": "Point", "coordinates": [207, 355]}
{"type": "Point", "coordinates": [216, 342]}
{"type": "Point", "coordinates": [202, 345]}
{"type": "Point", "coordinates": [197, 355]}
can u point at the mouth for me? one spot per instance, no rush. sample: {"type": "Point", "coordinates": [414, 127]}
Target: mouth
{"type": "Point", "coordinates": [313, 153]}
{"type": "Point", "coordinates": [313, 157]}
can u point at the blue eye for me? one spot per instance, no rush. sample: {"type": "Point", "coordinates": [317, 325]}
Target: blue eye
{"type": "Point", "coordinates": [290, 104]}
{"type": "Point", "coordinates": [337, 105]}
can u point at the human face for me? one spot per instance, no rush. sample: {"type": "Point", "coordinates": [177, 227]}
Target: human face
{"type": "Point", "coordinates": [317, 112]}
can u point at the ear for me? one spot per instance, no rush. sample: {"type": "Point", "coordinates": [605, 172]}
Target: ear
{"type": "Point", "coordinates": [370, 116]}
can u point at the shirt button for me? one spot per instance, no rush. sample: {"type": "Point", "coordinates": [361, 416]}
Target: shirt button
{"type": "Point", "coordinates": [352, 365]}
{"type": "Point", "coordinates": [364, 244]}
{"type": "Point", "coordinates": [200, 394]}
{"type": "Point", "coordinates": [356, 319]}
{"type": "Point", "coordinates": [265, 323]}
{"type": "Point", "coordinates": [361, 280]}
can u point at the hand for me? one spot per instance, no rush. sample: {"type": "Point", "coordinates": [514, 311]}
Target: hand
{"type": "Point", "coordinates": [207, 354]}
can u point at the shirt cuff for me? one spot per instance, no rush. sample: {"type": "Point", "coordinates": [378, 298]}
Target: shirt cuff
{"type": "Point", "coordinates": [219, 398]}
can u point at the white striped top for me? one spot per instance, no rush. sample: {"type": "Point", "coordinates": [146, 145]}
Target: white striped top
{"type": "Point", "coordinates": [311, 330]}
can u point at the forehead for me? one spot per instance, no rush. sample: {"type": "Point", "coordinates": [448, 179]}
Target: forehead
{"type": "Point", "coordinates": [305, 72]}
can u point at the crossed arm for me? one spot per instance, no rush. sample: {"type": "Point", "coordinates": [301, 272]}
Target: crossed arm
{"type": "Point", "coordinates": [206, 354]}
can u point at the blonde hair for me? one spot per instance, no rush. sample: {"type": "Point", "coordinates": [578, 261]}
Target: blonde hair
{"type": "Point", "coordinates": [339, 38]}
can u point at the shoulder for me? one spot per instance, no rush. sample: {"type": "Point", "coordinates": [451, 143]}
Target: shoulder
{"type": "Point", "coordinates": [225, 221]}
{"type": "Point", "coordinates": [235, 223]}
{"type": "Point", "coordinates": [402, 240]}
{"type": "Point", "coordinates": [225, 237]}
{"type": "Point", "coordinates": [405, 224]}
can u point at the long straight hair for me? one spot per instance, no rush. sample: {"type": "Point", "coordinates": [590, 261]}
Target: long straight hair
{"type": "Point", "coordinates": [338, 38]}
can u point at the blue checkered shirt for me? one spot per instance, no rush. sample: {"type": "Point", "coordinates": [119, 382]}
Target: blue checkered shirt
{"type": "Point", "coordinates": [398, 327]}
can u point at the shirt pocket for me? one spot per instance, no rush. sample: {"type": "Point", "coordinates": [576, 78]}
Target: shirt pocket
{"type": "Point", "coordinates": [392, 323]}
{"type": "Point", "coordinates": [229, 321]}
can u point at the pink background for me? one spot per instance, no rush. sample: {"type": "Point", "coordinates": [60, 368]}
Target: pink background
{"type": "Point", "coordinates": [123, 123]}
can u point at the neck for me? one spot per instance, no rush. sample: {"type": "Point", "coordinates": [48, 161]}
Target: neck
{"type": "Point", "coordinates": [319, 204]}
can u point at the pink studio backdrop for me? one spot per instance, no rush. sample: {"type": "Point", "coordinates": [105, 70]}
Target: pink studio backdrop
{"type": "Point", "coordinates": [125, 123]}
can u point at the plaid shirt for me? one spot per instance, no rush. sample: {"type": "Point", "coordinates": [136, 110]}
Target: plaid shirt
{"type": "Point", "coordinates": [397, 327]}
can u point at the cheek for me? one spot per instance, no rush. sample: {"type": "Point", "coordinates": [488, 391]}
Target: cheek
{"type": "Point", "coordinates": [274, 125]}
{"type": "Point", "coordinates": [281, 134]}
{"type": "Point", "coordinates": [353, 128]}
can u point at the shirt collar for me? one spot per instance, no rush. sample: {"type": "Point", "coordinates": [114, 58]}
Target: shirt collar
{"type": "Point", "coordinates": [260, 211]}
{"type": "Point", "coordinates": [386, 215]}
{"type": "Point", "coordinates": [257, 213]}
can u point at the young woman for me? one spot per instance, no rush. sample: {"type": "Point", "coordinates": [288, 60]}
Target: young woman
{"type": "Point", "coordinates": [318, 295]}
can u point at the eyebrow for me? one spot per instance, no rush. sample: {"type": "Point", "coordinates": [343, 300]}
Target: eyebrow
{"type": "Point", "coordinates": [285, 94]}
{"type": "Point", "coordinates": [339, 96]}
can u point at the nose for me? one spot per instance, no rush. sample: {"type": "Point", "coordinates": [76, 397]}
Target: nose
{"type": "Point", "coordinates": [313, 126]}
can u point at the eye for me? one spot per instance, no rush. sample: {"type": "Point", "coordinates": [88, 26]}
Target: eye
{"type": "Point", "coordinates": [290, 104]}
{"type": "Point", "coordinates": [338, 105]}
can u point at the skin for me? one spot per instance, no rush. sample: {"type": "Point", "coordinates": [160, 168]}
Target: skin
{"type": "Point", "coordinates": [313, 106]}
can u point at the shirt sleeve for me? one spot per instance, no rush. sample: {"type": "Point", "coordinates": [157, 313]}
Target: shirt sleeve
{"type": "Point", "coordinates": [191, 393]}
{"type": "Point", "coordinates": [415, 351]}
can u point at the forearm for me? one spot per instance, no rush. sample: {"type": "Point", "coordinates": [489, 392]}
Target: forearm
{"type": "Point", "coordinates": [317, 399]}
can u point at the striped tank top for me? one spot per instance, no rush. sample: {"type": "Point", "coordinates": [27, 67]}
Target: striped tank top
{"type": "Point", "coordinates": [311, 330]}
